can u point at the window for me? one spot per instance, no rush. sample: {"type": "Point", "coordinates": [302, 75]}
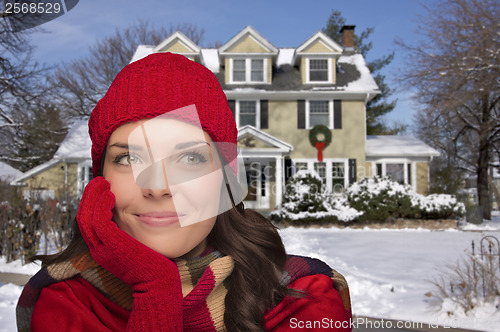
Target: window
{"type": "Point", "coordinates": [396, 172]}
{"type": "Point", "coordinates": [333, 172]}
{"type": "Point", "coordinates": [338, 178]}
{"type": "Point", "coordinates": [248, 70]}
{"type": "Point", "coordinates": [85, 175]}
{"type": "Point", "coordinates": [320, 168]}
{"type": "Point", "coordinates": [257, 70]}
{"type": "Point", "coordinates": [248, 113]}
{"type": "Point", "coordinates": [239, 71]}
{"type": "Point", "coordinates": [300, 166]}
{"type": "Point", "coordinates": [318, 70]}
{"type": "Point", "coordinates": [400, 171]}
{"type": "Point", "coordinates": [319, 113]}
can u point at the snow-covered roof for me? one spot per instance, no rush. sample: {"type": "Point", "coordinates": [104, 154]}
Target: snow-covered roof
{"type": "Point", "coordinates": [285, 56]}
{"type": "Point", "coordinates": [77, 144]}
{"type": "Point", "coordinates": [8, 172]}
{"type": "Point", "coordinates": [210, 58]}
{"type": "Point", "coordinates": [36, 170]}
{"type": "Point", "coordinates": [142, 51]}
{"type": "Point", "coordinates": [398, 146]}
{"type": "Point", "coordinates": [365, 82]}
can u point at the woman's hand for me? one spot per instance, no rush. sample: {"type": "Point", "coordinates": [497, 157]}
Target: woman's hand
{"type": "Point", "coordinates": [154, 278]}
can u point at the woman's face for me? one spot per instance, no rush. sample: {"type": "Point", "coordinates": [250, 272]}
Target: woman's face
{"type": "Point", "coordinates": [163, 180]}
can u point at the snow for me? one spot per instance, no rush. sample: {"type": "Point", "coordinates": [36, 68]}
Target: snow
{"type": "Point", "coordinates": [77, 143]}
{"type": "Point", "coordinates": [210, 58]}
{"type": "Point", "coordinates": [366, 81]}
{"type": "Point", "coordinates": [388, 271]}
{"type": "Point", "coordinates": [142, 51]}
{"type": "Point", "coordinates": [8, 172]}
{"type": "Point", "coordinates": [397, 146]}
{"type": "Point", "coordinates": [285, 56]}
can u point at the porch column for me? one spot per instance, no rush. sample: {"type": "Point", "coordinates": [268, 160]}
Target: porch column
{"type": "Point", "coordinates": [279, 180]}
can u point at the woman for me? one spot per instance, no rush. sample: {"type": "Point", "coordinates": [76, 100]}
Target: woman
{"type": "Point", "coordinates": [163, 242]}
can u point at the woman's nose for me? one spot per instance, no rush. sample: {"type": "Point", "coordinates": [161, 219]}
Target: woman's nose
{"type": "Point", "coordinates": [153, 181]}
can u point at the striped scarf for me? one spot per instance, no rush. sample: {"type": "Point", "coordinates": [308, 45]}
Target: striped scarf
{"type": "Point", "coordinates": [202, 280]}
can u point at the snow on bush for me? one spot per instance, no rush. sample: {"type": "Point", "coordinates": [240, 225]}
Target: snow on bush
{"type": "Point", "coordinates": [305, 200]}
{"type": "Point", "coordinates": [375, 199]}
{"type": "Point", "coordinates": [381, 198]}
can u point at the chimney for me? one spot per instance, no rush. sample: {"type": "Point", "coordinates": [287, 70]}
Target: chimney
{"type": "Point", "coordinates": [347, 35]}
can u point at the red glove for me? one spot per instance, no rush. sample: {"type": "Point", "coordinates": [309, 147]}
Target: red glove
{"type": "Point", "coordinates": [154, 279]}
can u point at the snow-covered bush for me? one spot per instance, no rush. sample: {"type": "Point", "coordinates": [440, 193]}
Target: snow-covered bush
{"type": "Point", "coordinates": [305, 200]}
{"type": "Point", "coordinates": [381, 199]}
{"type": "Point", "coordinates": [371, 199]}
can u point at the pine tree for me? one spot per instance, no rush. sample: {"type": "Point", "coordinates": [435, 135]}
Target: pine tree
{"type": "Point", "coordinates": [380, 105]}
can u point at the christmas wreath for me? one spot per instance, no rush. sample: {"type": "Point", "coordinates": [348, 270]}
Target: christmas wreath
{"type": "Point", "coordinates": [320, 144]}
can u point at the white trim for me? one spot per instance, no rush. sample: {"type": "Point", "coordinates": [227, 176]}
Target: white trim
{"type": "Point", "coordinates": [257, 112]}
{"type": "Point", "coordinates": [280, 146]}
{"type": "Point", "coordinates": [255, 36]}
{"type": "Point", "coordinates": [405, 162]}
{"type": "Point", "coordinates": [188, 43]}
{"type": "Point", "coordinates": [314, 93]}
{"type": "Point", "coordinates": [248, 69]}
{"type": "Point", "coordinates": [327, 41]}
{"type": "Point", "coordinates": [330, 112]}
{"type": "Point", "coordinates": [328, 161]}
{"type": "Point", "coordinates": [329, 68]}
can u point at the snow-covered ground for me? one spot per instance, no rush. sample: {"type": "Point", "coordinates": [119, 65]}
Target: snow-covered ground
{"type": "Point", "coordinates": [388, 271]}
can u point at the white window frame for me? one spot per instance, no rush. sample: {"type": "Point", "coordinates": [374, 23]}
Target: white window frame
{"type": "Point", "coordinates": [329, 68]}
{"type": "Point", "coordinates": [329, 162]}
{"type": "Point", "coordinates": [248, 70]}
{"type": "Point", "coordinates": [405, 162]}
{"type": "Point", "coordinates": [330, 113]}
{"type": "Point", "coordinates": [83, 167]}
{"type": "Point", "coordinates": [257, 112]}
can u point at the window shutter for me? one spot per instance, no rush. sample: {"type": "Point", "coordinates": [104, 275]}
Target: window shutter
{"type": "Point", "coordinates": [232, 106]}
{"type": "Point", "coordinates": [352, 171]}
{"type": "Point", "coordinates": [337, 114]}
{"type": "Point", "coordinates": [264, 106]}
{"type": "Point", "coordinates": [301, 114]}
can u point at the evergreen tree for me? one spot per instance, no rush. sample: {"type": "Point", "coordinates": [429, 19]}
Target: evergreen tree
{"type": "Point", "coordinates": [380, 105]}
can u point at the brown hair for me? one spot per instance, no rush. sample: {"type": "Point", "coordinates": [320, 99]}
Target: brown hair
{"type": "Point", "coordinates": [259, 256]}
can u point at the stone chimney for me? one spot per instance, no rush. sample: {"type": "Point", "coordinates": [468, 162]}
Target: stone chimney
{"type": "Point", "coordinates": [347, 35]}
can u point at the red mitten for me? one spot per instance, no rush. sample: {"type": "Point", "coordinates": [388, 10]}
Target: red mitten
{"type": "Point", "coordinates": [154, 279]}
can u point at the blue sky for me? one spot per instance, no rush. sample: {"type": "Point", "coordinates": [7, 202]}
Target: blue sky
{"type": "Point", "coordinates": [283, 23]}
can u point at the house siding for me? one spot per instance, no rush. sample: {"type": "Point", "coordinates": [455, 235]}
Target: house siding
{"type": "Point", "coordinates": [248, 45]}
{"type": "Point", "coordinates": [53, 179]}
{"type": "Point", "coordinates": [177, 47]}
{"type": "Point", "coordinates": [422, 178]}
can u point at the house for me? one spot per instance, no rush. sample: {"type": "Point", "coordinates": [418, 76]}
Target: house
{"type": "Point", "coordinates": [295, 108]}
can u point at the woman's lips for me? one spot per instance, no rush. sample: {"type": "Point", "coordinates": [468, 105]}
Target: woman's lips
{"type": "Point", "coordinates": [159, 219]}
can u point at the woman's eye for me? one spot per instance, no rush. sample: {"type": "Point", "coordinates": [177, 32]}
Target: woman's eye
{"type": "Point", "coordinates": [193, 158]}
{"type": "Point", "coordinates": [127, 159]}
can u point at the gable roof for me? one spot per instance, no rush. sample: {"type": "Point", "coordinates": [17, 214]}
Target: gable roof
{"type": "Point", "coordinates": [249, 31]}
{"type": "Point", "coordinates": [393, 146]}
{"type": "Point", "coordinates": [77, 144]}
{"type": "Point", "coordinates": [182, 39]}
{"type": "Point", "coordinates": [324, 40]}
{"type": "Point", "coordinates": [278, 144]}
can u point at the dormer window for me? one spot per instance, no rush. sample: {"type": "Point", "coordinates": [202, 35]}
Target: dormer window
{"type": "Point", "coordinates": [248, 70]}
{"type": "Point", "coordinates": [319, 71]}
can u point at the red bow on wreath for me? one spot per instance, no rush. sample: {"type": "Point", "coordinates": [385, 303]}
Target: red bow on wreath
{"type": "Point", "coordinates": [320, 130]}
{"type": "Point", "coordinates": [320, 146]}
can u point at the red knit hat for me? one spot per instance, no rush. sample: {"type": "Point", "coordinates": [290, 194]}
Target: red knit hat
{"type": "Point", "coordinates": [157, 84]}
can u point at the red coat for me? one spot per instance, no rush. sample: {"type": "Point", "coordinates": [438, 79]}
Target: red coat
{"type": "Point", "coordinates": [76, 305]}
